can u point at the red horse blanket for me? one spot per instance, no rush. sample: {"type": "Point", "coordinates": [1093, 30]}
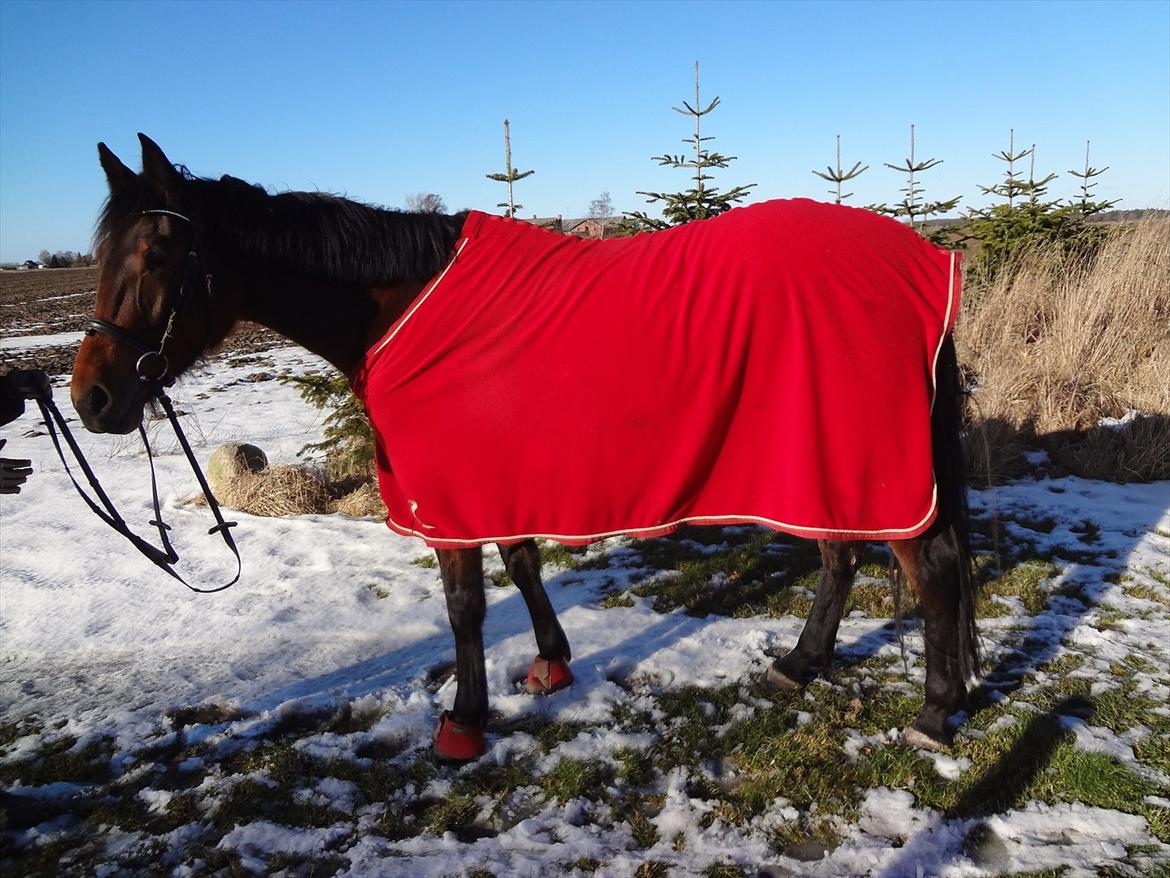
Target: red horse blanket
{"type": "Point", "coordinates": [773, 365]}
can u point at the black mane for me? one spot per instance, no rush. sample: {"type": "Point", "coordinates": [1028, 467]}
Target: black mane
{"type": "Point", "coordinates": [319, 235]}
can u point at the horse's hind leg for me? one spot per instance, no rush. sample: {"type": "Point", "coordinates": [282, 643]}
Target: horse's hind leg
{"type": "Point", "coordinates": [459, 735]}
{"type": "Point", "coordinates": [550, 669]}
{"type": "Point", "coordinates": [814, 650]}
{"type": "Point", "coordinates": [935, 570]}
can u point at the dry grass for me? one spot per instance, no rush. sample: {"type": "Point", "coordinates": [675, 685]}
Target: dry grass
{"type": "Point", "coordinates": [278, 490]}
{"type": "Point", "coordinates": [1058, 345]}
{"type": "Point", "coordinates": [365, 501]}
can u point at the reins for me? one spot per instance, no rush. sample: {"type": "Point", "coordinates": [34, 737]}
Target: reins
{"type": "Point", "coordinates": [154, 372]}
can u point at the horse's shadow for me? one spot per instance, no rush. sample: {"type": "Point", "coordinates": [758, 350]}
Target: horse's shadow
{"type": "Point", "coordinates": [1086, 577]}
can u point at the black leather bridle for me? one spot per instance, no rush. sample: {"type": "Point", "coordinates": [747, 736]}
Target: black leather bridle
{"type": "Point", "coordinates": [153, 358]}
{"type": "Point", "coordinates": [154, 373]}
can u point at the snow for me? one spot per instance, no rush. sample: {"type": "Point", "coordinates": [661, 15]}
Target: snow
{"type": "Point", "coordinates": [28, 342]}
{"type": "Point", "coordinates": [93, 635]}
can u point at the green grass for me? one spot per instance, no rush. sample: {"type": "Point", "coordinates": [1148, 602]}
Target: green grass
{"type": "Point", "coordinates": [576, 778]}
{"type": "Point", "coordinates": [1022, 581]}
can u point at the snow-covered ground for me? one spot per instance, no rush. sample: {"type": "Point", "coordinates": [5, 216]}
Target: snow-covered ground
{"type": "Point", "coordinates": [99, 645]}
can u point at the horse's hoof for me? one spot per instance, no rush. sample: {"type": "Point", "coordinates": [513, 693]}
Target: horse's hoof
{"type": "Point", "coordinates": [456, 742]}
{"type": "Point", "coordinates": [547, 676]}
{"type": "Point", "coordinates": [913, 737]}
{"type": "Point", "coordinates": [778, 681]}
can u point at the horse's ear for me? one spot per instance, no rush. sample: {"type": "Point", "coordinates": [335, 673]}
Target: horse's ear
{"type": "Point", "coordinates": [156, 167]}
{"type": "Point", "coordinates": [117, 174]}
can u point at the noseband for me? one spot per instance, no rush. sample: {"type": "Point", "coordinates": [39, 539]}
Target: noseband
{"type": "Point", "coordinates": [152, 367]}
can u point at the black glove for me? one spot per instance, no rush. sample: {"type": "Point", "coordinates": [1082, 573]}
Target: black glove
{"type": "Point", "coordinates": [13, 473]}
{"type": "Point", "coordinates": [17, 386]}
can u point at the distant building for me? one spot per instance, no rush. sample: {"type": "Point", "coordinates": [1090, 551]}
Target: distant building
{"type": "Point", "coordinates": [588, 227]}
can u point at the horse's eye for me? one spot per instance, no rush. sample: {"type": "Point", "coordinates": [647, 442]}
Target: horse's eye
{"type": "Point", "coordinates": [155, 258]}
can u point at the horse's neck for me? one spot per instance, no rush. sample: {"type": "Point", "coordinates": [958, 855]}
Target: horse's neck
{"type": "Point", "coordinates": [337, 321]}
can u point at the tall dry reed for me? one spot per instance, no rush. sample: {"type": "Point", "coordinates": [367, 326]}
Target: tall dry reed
{"type": "Point", "coordinates": [1059, 344]}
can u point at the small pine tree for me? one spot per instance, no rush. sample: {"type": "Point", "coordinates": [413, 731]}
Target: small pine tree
{"type": "Point", "coordinates": [913, 206]}
{"type": "Point", "coordinates": [838, 176]}
{"type": "Point", "coordinates": [510, 175]}
{"type": "Point", "coordinates": [700, 201]}
{"type": "Point", "coordinates": [1013, 186]}
{"type": "Point", "coordinates": [1087, 207]}
{"type": "Point", "coordinates": [349, 440]}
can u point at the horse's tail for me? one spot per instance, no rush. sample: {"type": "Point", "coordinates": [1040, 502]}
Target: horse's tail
{"type": "Point", "coordinates": [950, 473]}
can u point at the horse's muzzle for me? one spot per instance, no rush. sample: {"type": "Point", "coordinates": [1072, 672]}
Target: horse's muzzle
{"type": "Point", "coordinates": [100, 411]}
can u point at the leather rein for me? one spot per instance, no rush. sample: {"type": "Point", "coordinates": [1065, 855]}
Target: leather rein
{"type": "Point", "coordinates": [154, 373]}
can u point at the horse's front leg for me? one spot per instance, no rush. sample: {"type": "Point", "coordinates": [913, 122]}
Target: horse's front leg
{"type": "Point", "coordinates": [459, 735]}
{"type": "Point", "coordinates": [550, 669]}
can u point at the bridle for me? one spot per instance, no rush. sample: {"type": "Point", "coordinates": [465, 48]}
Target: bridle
{"type": "Point", "coordinates": [156, 356]}
{"type": "Point", "coordinates": [154, 373]}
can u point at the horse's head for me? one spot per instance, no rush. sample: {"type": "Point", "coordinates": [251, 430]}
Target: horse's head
{"type": "Point", "coordinates": [154, 315]}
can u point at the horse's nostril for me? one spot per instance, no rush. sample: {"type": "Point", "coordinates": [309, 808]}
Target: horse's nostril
{"type": "Point", "coordinates": [97, 400]}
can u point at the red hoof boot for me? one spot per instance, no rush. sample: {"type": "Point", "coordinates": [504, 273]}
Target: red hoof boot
{"type": "Point", "coordinates": [457, 742]}
{"type": "Point", "coordinates": [547, 676]}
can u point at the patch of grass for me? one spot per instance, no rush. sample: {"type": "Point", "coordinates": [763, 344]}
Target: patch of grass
{"type": "Point", "coordinates": [688, 735]}
{"type": "Point", "coordinates": [629, 718]}
{"type": "Point", "coordinates": [209, 714]}
{"type": "Point", "coordinates": [1154, 751]}
{"type": "Point", "coordinates": [1021, 581]}
{"type": "Point", "coordinates": [725, 870]}
{"type": "Point", "coordinates": [548, 733]}
{"type": "Point", "coordinates": [645, 833]}
{"type": "Point", "coordinates": [380, 780]}
{"type": "Point", "coordinates": [497, 781]}
{"type": "Point", "coordinates": [1132, 664]}
{"type": "Point", "coordinates": [652, 869]}
{"type": "Point", "coordinates": [427, 562]}
{"type": "Point", "coordinates": [1040, 524]}
{"type": "Point", "coordinates": [616, 599]}
{"type": "Point", "coordinates": [378, 590]}
{"type": "Point", "coordinates": [61, 760]}
{"type": "Point", "coordinates": [577, 778]}
{"type": "Point", "coordinates": [803, 833]}
{"type": "Point", "coordinates": [1148, 593]}
{"type": "Point", "coordinates": [876, 598]}
{"type": "Point", "coordinates": [456, 814]}
{"type": "Point", "coordinates": [1122, 709]}
{"type": "Point", "coordinates": [250, 800]}
{"type": "Point", "coordinates": [305, 865]}
{"type": "Point", "coordinates": [561, 556]}
{"type": "Point", "coordinates": [58, 856]}
{"type": "Point", "coordinates": [635, 767]}
{"type": "Point", "coordinates": [583, 864]}
{"type": "Point", "coordinates": [745, 579]}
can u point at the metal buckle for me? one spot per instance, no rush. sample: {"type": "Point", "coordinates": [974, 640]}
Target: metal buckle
{"type": "Point", "coordinates": [152, 358]}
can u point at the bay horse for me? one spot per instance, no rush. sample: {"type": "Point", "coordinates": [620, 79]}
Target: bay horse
{"type": "Point", "coordinates": [183, 259]}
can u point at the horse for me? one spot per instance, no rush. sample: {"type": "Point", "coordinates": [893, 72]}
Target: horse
{"type": "Point", "coordinates": [184, 259]}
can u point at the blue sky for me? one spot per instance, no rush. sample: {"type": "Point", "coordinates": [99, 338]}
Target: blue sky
{"type": "Point", "coordinates": [380, 100]}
